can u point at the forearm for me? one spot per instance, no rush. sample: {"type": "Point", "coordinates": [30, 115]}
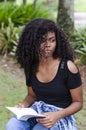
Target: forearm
{"type": "Point", "coordinates": [28, 100]}
{"type": "Point", "coordinates": [73, 108]}
{"type": "Point", "coordinates": [76, 105]}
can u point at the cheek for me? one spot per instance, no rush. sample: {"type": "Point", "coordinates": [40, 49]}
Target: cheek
{"type": "Point", "coordinates": [42, 46]}
{"type": "Point", "coordinates": [54, 46]}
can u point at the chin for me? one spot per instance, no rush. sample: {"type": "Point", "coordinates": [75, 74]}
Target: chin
{"type": "Point", "coordinates": [47, 56]}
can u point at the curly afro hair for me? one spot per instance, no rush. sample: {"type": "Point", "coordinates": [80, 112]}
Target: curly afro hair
{"type": "Point", "coordinates": [29, 43]}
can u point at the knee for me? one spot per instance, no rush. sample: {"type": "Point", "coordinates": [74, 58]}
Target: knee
{"type": "Point", "coordinates": [39, 126]}
{"type": "Point", "coordinates": [12, 123]}
{"type": "Point", "coordinates": [15, 124]}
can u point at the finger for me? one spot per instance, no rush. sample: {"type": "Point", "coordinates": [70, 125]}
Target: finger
{"type": "Point", "coordinates": [42, 119]}
{"type": "Point", "coordinates": [47, 125]}
{"type": "Point", "coordinates": [19, 105]}
{"type": "Point", "coordinates": [46, 121]}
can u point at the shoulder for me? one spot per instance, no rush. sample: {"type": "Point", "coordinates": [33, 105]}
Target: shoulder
{"type": "Point", "coordinates": [72, 67]}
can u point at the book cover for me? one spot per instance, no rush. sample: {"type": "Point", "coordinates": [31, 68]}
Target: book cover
{"type": "Point", "coordinates": [24, 113]}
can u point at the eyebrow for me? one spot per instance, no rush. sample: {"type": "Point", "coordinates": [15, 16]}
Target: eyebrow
{"type": "Point", "coordinates": [51, 37]}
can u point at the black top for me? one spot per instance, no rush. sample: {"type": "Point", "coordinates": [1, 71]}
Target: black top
{"type": "Point", "coordinates": [56, 92]}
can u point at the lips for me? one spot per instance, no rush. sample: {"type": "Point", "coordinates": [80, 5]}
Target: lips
{"type": "Point", "coordinates": [47, 51]}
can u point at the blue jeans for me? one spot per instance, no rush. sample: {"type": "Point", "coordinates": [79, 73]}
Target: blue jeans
{"type": "Point", "coordinates": [67, 123]}
{"type": "Point", "coordinates": [15, 124]}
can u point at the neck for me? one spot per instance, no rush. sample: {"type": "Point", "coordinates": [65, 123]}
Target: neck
{"type": "Point", "coordinates": [46, 61]}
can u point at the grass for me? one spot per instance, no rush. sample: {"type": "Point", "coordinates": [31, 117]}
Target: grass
{"type": "Point", "coordinates": [81, 116]}
{"type": "Point", "coordinates": [13, 90]}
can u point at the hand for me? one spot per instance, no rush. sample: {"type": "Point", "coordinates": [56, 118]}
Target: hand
{"type": "Point", "coordinates": [50, 119]}
{"type": "Point", "coordinates": [20, 105]}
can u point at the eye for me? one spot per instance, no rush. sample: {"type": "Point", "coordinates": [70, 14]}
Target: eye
{"type": "Point", "coordinates": [52, 40]}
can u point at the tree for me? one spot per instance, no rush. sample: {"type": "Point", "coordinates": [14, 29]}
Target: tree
{"type": "Point", "coordinates": [3, 0]}
{"type": "Point", "coordinates": [65, 17]}
{"type": "Point", "coordinates": [6, 0]}
{"type": "Point", "coordinates": [34, 3]}
{"type": "Point", "coordinates": [24, 2]}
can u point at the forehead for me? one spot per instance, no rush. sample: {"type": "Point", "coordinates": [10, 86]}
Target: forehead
{"type": "Point", "coordinates": [49, 35]}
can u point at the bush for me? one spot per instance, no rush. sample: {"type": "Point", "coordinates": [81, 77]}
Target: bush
{"type": "Point", "coordinates": [9, 37]}
{"type": "Point", "coordinates": [12, 19]}
{"type": "Point", "coordinates": [5, 11]}
{"type": "Point", "coordinates": [78, 41]}
{"type": "Point", "coordinates": [20, 15]}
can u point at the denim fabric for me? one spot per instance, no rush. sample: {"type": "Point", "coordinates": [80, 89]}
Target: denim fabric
{"type": "Point", "coordinates": [67, 123]}
{"type": "Point", "coordinates": [15, 124]}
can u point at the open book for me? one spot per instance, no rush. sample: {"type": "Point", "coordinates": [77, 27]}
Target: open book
{"type": "Point", "coordinates": [24, 113]}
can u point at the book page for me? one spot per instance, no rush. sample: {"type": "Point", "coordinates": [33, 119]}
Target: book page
{"type": "Point", "coordinates": [25, 113]}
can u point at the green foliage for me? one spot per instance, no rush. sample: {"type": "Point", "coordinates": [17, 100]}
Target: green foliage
{"type": "Point", "coordinates": [82, 50]}
{"type": "Point", "coordinates": [79, 37]}
{"type": "Point", "coordinates": [6, 8]}
{"type": "Point", "coordinates": [78, 41]}
{"type": "Point", "coordinates": [12, 19]}
{"type": "Point", "coordinates": [20, 15]}
{"type": "Point", "coordinates": [9, 37]}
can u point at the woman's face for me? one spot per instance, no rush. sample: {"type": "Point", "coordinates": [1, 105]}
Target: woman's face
{"type": "Point", "coordinates": [48, 45]}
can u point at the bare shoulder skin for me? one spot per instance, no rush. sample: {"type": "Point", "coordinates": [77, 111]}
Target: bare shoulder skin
{"type": "Point", "coordinates": [75, 106]}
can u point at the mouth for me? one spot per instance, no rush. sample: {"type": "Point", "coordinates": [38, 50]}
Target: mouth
{"type": "Point", "coordinates": [47, 51]}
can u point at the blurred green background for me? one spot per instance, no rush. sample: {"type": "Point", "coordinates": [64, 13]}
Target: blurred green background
{"type": "Point", "coordinates": [13, 17]}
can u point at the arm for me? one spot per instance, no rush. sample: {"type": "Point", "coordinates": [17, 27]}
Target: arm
{"type": "Point", "coordinates": [75, 106]}
{"type": "Point", "coordinates": [29, 99]}
{"type": "Point", "coordinates": [76, 94]}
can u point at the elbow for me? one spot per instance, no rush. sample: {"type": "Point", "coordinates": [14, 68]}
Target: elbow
{"type": "Point", "coordinates": [80, 105]}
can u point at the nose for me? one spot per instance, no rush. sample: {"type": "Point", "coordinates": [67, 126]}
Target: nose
{"type": "Point", "coordinates": [47, 44]}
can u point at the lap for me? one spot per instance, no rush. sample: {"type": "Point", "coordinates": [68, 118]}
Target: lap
{"type": "Point", "coordinates": [15, 124]}
{"type": "Point", "coordinates": [39, 126]}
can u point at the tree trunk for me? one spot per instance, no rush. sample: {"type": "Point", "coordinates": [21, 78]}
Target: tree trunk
{"type": "Point", "coordinates": [65, 18]}
{"type": "Point", "coordinates": [34, 3]}
{"type": "Point", "coordinates": [24, 2]}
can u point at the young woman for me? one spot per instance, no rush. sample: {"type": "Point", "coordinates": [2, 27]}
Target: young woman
{"type": "Point", "coordinates": [52, 78]}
